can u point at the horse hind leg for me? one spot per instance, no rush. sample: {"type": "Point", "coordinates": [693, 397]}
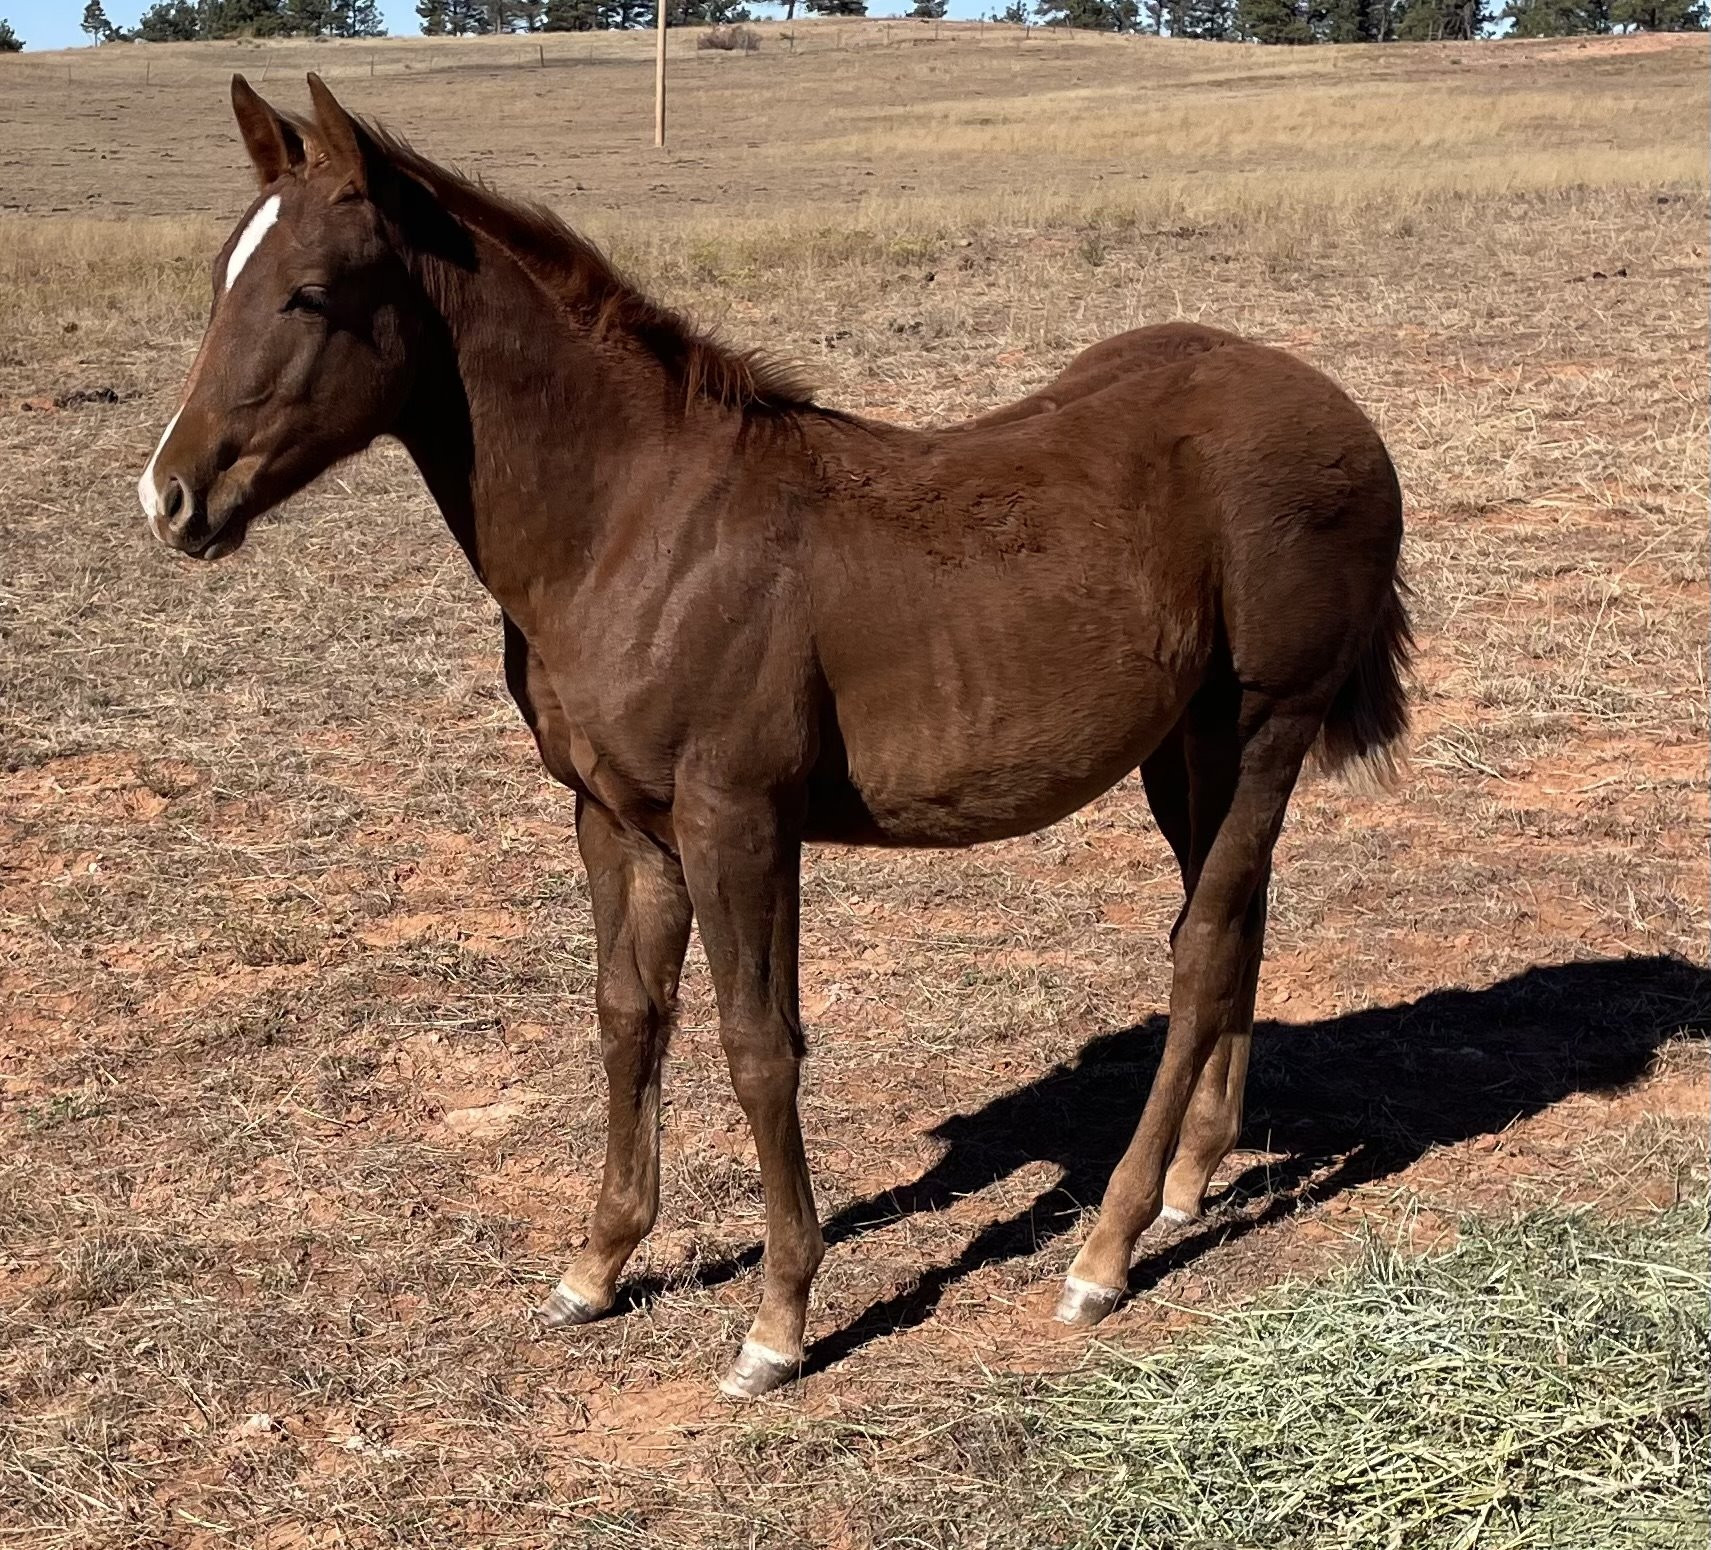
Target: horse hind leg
{"type": "Point", "coordinates": [1214, 1117]}
{"type": "Point", "coordinates": [1184, 1130]}
{"type": "Point", "coordinates": [1189, 779]}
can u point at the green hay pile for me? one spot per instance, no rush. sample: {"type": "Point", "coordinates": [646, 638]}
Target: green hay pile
{"type": "Point", "coordinates": [1543, 1384]}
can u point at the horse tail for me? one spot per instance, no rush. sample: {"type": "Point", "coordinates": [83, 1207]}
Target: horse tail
{"type": "Point", "coordinates": [1369, 713]}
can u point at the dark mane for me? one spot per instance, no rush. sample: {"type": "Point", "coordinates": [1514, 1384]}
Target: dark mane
{"type": "Point", "coordinates": [569, 267]}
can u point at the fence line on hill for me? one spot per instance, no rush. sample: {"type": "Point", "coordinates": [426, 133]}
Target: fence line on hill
{"type": "Point", "coordinates": [164, 67]}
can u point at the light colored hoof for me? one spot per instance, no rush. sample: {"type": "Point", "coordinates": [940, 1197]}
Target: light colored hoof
{"type": "Point", "coordinates": [1084, 1303]}
{"type": "Point", "coordinates": [565, 1308]}
{"type": "Point", "coordinates": [758, 1370]}
{"type": "Point", "coordinates": [1172, 1217]}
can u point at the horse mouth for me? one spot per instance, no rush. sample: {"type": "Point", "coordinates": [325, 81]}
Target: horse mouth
{"type": "Point", "coordinates": [228, 538]}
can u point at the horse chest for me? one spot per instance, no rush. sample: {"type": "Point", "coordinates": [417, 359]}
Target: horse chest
{"type": "Point", "coordinates": [579, 750]}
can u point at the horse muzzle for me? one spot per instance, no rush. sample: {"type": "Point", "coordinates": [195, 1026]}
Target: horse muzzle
{"type": "Point", "coordinates": [181, 518]}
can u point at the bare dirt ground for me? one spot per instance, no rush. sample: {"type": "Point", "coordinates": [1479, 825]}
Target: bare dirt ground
{"type": "Point", "coordinates": [298, 1086]}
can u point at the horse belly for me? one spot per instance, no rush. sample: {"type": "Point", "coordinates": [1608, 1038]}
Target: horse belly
{"type": "Point", "coordinates": [956, 743]}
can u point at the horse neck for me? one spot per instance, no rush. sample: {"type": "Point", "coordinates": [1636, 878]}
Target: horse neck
{"type": "Point", "coordinates": [518, 418]}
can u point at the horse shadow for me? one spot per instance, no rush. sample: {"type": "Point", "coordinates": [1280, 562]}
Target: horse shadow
{"type": "Point", "coordinates": [1349, 1100]}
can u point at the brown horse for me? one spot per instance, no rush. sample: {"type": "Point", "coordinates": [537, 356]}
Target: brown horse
{"type": "Point", "coordinates": [737, 622]}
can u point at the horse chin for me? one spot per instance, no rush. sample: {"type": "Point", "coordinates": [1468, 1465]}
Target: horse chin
{"type": "Point", "coordinates": [236, 502]}
{"type": "Point", "coordinates": [227, 540]}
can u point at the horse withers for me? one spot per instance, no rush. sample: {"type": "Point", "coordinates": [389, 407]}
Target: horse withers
{"type": "Point", "coordinates": [738, 621]}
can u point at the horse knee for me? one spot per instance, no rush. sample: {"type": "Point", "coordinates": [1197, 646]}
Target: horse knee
{"type": "Point", "coordinates": [764, 1064]}
{"type": "Point", "coordinates": [630, 1021]}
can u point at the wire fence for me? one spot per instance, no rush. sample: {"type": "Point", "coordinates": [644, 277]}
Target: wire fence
{"type": "Point", "coordinates": [165, 65]}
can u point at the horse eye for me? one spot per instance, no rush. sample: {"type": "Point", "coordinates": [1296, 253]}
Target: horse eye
{"type": "Point", "coordinates": [308, 298]}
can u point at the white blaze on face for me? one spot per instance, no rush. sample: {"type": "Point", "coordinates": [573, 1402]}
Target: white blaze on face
{"type": "Point", "coordinates": [148, 491]}
{"type": "Point", "coordinates": [250, 240]}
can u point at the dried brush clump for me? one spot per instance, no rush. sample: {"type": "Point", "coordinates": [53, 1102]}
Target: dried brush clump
{"type": "Point", "coordinates": [729, 39]}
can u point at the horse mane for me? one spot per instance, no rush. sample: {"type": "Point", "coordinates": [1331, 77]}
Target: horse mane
{"type": "Point", "coordinates": [576, 273]}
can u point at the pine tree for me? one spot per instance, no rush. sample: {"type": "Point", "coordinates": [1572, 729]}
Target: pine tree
{"type": "Point", "coordinates": [530, 15]}
{"type": "Point", "coordinates": [1658, 15]}
{"type": "Point", "coordinates": [464, 17]}
{"type": "Point", "coordinates": [169, 21]}
{"type": "Point", "coordinates": [570, 16]}
{"type": "Point", "coordinates": [836, 7]}
{"type": "Point", "coordinates": [10, 42]}
{"type": "Point", "coordinates": [359, 19]}
{"type": "Point", "coordinates": [309, 18]}
{"type": "Point", "coordinates": [1272, 21]}
{"type": "Point", "coordinates": [705, 13]}
{"type": "Point", "coordinates": [1089, 15]}
{"type": "Point", "coordinates": [1431, 21]}
{"type": "Point", "coordinates": [432, 15]}
{"type": "Point", "coordinates": [1212, 21]}
{"type": "Point", "coordinates": [1555, 18]}
{"type": "Point", "coordinates": [242, 19]}
{"type": "Point", "coordinates": [95, 22]}
{"type": "Point", "coordinates": [1354, 21]}
{"type": "Point", "coordinates": [930, 10]}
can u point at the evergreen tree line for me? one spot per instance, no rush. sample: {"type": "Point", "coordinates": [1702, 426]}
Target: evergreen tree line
{"type": "Point", "coordinates": [1260, 21]}
{"type": "Point", "coordinates": [1363, 21]}
{"type": "Point", "coordinates": [185, 21]}
{"type": "Point", "coordinates": [464, 18]}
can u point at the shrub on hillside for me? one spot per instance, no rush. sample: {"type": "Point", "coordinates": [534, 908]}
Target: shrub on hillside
{"type": "Point", "coordinates": [731, 40]}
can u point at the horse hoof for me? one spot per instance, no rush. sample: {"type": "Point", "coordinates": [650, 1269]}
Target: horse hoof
{"type": "Point", "coordinates": [564, 1309]}
{"type": "Point", "coordinates": [1083, 1304]}
{"type": "Point", "coordinates": [758, 1370]}
{"type": "Point", "coordinates": [1174, 1216]}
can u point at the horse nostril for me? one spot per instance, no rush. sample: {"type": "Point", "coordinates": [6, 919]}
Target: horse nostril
{"type": "Point", "coordinates": [172, 501]}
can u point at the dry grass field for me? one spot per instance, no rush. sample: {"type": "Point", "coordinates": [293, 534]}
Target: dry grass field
{"type": "Point", "coordinates": [299, 1101]}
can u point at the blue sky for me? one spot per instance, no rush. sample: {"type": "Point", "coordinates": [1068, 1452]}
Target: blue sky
{"type": "Point", "coordinates": [53, 23]}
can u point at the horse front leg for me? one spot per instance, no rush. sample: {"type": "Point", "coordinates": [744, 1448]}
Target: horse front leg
{"type": "Point", "coordinates": [641, 930]}
{"type": "Point", "coordinates": [742, 860]}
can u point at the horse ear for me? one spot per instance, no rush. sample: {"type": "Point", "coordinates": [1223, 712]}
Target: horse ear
{"type": "Point", "coordinates": [342, 138]}
{"type": "Point", "coordinates": [274, 145]}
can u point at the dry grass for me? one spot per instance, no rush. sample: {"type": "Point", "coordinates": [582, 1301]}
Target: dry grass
{"type": "Point", "coordinates": [297, 1101]}
{"type": "Point", "coordinates": [1542, 1383]}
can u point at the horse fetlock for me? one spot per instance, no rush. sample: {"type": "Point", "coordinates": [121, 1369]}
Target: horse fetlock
{"type": "Point", "coordinates": [1185, 1187]}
